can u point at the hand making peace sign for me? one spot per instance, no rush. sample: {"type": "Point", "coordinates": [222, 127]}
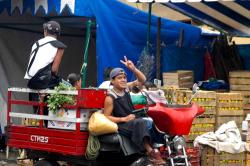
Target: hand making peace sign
{"type": "Point", "coordinates": [128, 63]}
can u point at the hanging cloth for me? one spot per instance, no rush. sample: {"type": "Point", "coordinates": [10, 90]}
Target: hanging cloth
{"type": "Point", "coordinates": [209, 67]}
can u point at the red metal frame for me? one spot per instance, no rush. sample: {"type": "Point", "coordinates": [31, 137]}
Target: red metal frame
{"type": "Point", "coordinates": [54, 140]}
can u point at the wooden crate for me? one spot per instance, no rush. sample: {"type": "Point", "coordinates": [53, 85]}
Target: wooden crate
{"type": "Point", "coordinates": [229, 104]}
{"type": "Point", "coordinates": [246, 98]}
{"type": "Point", "coordinates": [176, 95]}
{"type": "Point", "coordinates": [248, 157]}
{"type": "Point", "coordinates": [199, 129]}
{"type": "Point", "coordinates": [178, 79]}
{"type": "Point", "coordinates": [207, 156]}
{"type": "Point", "coordinates": [204, 119]}
{"type": "Point", "coordinates": [207, 100]}
{"type": "Point", "coordinates": [246, 111]}
{"type": "Point", "coordinates": [210, 157]}
{"type": "Point", "coordinates": [224, 119]}
{"type": "Point", "coordinates": [239, 80]}
{"type": "Point", "coordinates": [209, 110]}
{"type": "Point", "coordinates": [206, 127]}
{"type": "Point", "coordinates": [192, 135]}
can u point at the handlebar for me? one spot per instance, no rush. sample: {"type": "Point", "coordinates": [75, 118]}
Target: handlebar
{"type": "Point", "coordinates": [142, 112]}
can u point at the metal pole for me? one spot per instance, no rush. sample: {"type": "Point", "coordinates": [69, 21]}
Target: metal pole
{"type": "Point", "coordinates": [149, 25]}
{"type": "Point", "coordinates": [85, 56]}
{"type": "Point", "coordinates": [158, 50]}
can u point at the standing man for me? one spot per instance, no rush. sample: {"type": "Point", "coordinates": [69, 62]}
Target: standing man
{"type": "Point", "coordinates": [45, 58]}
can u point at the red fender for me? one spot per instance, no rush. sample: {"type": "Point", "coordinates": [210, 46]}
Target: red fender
{"type": "Point", "coordinates": [174, 121]}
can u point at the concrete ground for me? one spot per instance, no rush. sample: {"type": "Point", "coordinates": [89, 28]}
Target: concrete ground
{"type": "Point", "coordinates": [11, 161]}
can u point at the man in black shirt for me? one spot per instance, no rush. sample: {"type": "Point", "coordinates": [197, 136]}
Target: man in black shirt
{"type": "Point", "coordinates": [118, 107]}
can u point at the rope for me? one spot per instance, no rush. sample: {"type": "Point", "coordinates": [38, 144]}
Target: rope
{"type": "Point", "coordinates": [93, 147]}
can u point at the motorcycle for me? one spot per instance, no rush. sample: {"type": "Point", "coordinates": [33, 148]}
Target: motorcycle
{"type": "Point", "coordinates": [171, 122]}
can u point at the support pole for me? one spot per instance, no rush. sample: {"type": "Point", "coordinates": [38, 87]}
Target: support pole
{"type": "Point", "coordinates": [85, 56]}
{"type": "Point", "coordinates": [149, 26]}
{"type": "Point", "coordinates": [158, 49]}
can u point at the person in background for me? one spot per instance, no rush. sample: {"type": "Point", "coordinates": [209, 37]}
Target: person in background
{"type": "Point", "coordinates": [45, 58]}
{"type": "Point", "coordinates": [75, 80]}
{"type": "Point", "coordinates": [106, 83]}
{"type": "Point", "coordinates": [118, 108]}
{"type": "Point", "coordinates": [153, 94]}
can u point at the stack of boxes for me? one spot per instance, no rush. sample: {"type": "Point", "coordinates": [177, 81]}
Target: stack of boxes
{"type": "Point", "coordinates": [219, 108]}
{"type": "Point", "coordinates": [178, 79]}
{"type": "Point", "coordinates": [210, 157]}
{"type": "Point", "coordinates": [240, 83]}
{"type": "Point", "coordinates": [205, 122]}
{"type": "Point", "coordinates": [229, 107]}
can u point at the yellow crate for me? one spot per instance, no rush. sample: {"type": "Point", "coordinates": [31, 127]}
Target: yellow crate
{"type": "Point", "coordinates": [210, 157]}
{"type": "Point", "coordinates": [246, 98]}
{"type": "Point", "coordinates": [227, 97]}
{"type": "Point", "coordinates": [232, 111]}
{"type": "Point", "coordinates": [224, 119]}
{"type": "Point", "coordinates": [30, 122]}
{"type": "Point", "coordinates": [193, 135]}
{"type": "Point", "coordinates": [230, 104]}
{"type": "Point", "coordinates": [209, 110]}
{"type": "Point", "coordinates": [204, 127]}
{"type": "Point", "coordinates": [207, 119]}
{"type": "Point", "coordinates": [176, 95]}
{"type": "Point", "coordinates": [207, 156]}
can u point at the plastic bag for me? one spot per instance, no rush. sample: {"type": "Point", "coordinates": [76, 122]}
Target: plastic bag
{"type": "Point", "coordinates": [99, 124]}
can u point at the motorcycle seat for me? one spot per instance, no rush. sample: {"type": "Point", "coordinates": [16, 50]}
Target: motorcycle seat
{"type": "Point", "coordinates": [117, 142]}
{"type": "Point", "coordinates": [109, 138]}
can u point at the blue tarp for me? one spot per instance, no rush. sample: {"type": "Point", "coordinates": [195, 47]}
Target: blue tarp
{"type": "Point", "coordinates": [244, 50]}
{"type": "Point", "coordinates": [184, 58]}
{"type": "Point", "coordinates": [121, 29]}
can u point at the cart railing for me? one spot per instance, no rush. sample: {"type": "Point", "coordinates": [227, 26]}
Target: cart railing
{"type": "Point", "coordinates": [72, 142]}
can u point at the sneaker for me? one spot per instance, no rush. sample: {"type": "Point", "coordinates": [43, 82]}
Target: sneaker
{"type": "Point", "coordinates": [155, 157]}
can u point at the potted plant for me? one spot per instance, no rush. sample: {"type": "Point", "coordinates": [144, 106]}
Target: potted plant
{"type": "Point", "coordinates": [56, 101]}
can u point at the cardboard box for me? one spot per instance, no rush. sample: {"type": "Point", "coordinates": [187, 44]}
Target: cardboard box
{"type": "Point", "coordinates": [66, 114]}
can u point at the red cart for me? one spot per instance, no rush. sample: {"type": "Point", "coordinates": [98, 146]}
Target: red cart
{"type": "Point", "coordinates": [52, 144]}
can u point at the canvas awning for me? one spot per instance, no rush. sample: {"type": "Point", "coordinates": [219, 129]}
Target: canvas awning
{"type": "Point", "coordinates": [231, 16]}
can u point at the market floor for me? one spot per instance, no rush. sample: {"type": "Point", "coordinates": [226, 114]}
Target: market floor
{"type": "Point", "coordinates": [11, 161]}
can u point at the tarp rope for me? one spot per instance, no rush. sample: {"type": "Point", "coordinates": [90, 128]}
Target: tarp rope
{"type": "Point", "coordinates": [93, 148]}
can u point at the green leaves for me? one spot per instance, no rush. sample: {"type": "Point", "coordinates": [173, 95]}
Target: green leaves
{"type": "Point", "coordinates": [56, 100]}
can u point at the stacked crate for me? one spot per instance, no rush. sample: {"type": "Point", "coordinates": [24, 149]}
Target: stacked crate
{"type": "Point", "coordinates": [176, 95]}
{"type": "Point", "coordinates": [210, 157]}
{"type": "Point", "coordinates": [229, 107]}
{"type": "Point", "coordinates": [206, 122]}
{"type": "Point", "coordinates": [240, 83]}
{"type": "Point", "coordinates": [178, 79]}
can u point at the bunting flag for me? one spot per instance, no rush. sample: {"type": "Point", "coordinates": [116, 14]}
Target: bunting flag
{"type": "Point", "coordinates": [34, 6]}
{"type": "Point", "coordinates": [231, 16]}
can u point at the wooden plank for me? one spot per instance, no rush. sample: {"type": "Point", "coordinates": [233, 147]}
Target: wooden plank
{"type": "Point", "coordinates": [239, 87]}
{"type": "Point", "coordinates": [239, 81]}
{"type": "Point", "coordinates": [240, 73]}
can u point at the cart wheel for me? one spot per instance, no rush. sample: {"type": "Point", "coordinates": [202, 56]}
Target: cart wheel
{"type": "Point", "coordinates": [44, 162]}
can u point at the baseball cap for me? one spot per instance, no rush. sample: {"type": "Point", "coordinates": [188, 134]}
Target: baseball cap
{"type": "Point", "coordinates": [52, 27]}
{"type": "Point", "coordinates": [115, 72]}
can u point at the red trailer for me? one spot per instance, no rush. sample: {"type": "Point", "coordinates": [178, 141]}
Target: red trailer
{"type": "Point", "coordinates": [52, 144]}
